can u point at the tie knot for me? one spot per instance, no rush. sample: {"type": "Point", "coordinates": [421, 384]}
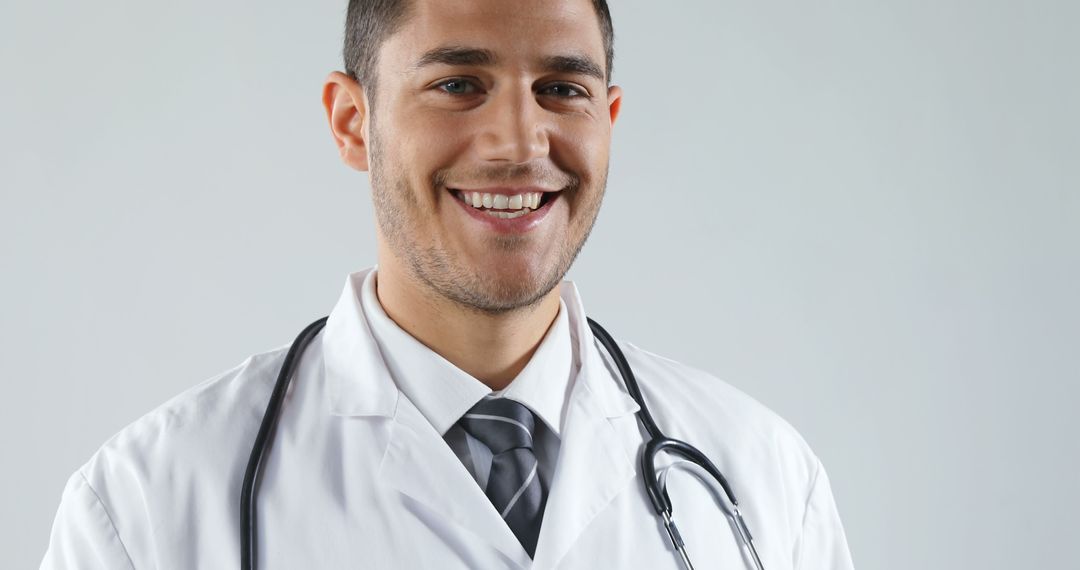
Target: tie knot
{"type": "Point", "coordinates": [500, 424]}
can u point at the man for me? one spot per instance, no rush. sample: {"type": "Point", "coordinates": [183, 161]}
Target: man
{"type": "Point", "coordinates": [457, 411]}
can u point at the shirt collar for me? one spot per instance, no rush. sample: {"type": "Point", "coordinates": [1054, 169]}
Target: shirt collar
{"type": "Point", "coordinates": [443, 392]}
{"type": "Point", "coordinates": [544, 384]}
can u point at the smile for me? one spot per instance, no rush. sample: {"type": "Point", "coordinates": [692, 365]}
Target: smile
{"type": "Point", "coordinates": [504, 206]}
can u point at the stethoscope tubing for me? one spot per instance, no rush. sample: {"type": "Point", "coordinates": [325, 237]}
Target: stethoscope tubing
{"type": "Point", "coordinates": [248, 520]}
{"type": "Point", "coordinates": [657, 442]}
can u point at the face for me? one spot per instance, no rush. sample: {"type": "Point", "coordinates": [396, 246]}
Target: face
{"type": "Point", "coordinates": [488, 139]}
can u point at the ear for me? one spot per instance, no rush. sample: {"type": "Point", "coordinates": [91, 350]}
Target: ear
{"type": "Point", "coordinates": [347, 111]}
{"type": "Point", "coordinates": [614, 97]}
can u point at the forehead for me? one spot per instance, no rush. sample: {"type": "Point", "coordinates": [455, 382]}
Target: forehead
{"type": "Point", "coordinates": [510, 28]}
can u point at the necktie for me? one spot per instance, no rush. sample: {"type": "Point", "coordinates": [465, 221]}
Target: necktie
{"type": "Point", "coordinates": [506, 428]}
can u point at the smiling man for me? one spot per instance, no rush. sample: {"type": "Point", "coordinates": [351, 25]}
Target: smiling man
{"type": "Point", "coordinates": [458, 410]}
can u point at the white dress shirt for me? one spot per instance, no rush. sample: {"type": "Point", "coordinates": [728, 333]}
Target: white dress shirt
{"type": "Point", "coordinates": [443, 392]}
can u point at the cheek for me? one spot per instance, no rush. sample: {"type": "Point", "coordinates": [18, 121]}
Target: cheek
{"type": "Point", "coordinates": [435, 144]}
{"type": "Point", "coordinates": [584, 152]}
{"type": "Point", "coordinates": [412, 156]}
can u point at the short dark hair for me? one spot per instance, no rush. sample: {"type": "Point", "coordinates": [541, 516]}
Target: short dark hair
{"type": "Point", "coordinates": [369, 22]}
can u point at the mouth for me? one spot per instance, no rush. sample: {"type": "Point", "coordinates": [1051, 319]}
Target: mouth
{"type": "Point", "coordinates": [505, 204]}
{"type": "Point", "coordinates": [507, 211]}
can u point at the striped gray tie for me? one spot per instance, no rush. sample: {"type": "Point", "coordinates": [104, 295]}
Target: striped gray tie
{"type": "Point", "coordinates": [506, 428]}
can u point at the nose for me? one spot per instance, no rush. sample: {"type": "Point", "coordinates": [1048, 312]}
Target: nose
{"type": "Point", "coordinates": [513, 127]}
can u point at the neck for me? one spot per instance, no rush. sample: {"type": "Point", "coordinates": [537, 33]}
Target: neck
{"type": "Point", "coordinates": [493, 348]}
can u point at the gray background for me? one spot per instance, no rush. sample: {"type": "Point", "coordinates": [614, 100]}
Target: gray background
{"type": "Point", "coordinates": [862, 213]}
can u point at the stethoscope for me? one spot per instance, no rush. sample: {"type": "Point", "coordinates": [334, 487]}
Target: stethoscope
{"type": "Point", "coordinates": [655, 486]}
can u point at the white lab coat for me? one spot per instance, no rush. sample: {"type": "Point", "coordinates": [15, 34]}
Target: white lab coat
{"type": "Point", "coordinates": [357, 478]}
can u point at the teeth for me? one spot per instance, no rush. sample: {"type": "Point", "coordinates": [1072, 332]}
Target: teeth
{"type": "Point", "coordinates": [516, 203]}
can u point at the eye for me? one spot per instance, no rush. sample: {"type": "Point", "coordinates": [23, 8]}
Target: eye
{"type": "Point", "coordinates": [457, 86]}
{"type": "Point", "coordinates": [564, 90]}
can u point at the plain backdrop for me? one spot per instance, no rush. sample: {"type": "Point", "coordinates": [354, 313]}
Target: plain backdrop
{"type": "Point", "coordinates": [864, 214]}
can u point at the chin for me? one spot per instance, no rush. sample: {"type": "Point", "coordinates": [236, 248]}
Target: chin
{"type": "Point", "coordinates": [505, 288]}
{"type": "Point", "coordinates": [505, 301]}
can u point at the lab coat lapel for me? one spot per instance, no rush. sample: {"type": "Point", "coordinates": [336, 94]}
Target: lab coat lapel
{"type": "Point", "coordinates": [420, 465]}
{"type": "Point", "coordinates": [417, 461]}
{"type": "Point", "coordinates": [596, 459]}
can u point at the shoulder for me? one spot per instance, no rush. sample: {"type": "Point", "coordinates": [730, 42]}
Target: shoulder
{"type": "Point", "coordinates": [693, 404]}
{"type": "Point", "coordinates": [781, 484]}
{"type": "Point", "coordinates": [170, 471]}
{"type": "Point", "coordinates": [672, 383]}
{"type": "Point", "coordinates": [199, 429]}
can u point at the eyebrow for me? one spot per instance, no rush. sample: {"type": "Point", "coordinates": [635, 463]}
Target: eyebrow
{"type": "Point", "coordinates": [466, 56]}
{"type": "Point", "coordinates": [574, 64]}
{"type": "Point", "coordinates": [455, 55]}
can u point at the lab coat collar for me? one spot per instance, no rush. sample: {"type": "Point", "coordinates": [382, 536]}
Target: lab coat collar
{"type": "Point", "coordinates": [602, 382]}
{"type": "Point", "coordinates": [358, 383]}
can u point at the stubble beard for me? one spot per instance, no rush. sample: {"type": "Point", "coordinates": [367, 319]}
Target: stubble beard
{"type": "Point", "coordinates": [440, 273]}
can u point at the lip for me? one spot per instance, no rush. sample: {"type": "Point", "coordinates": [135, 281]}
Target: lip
{"type": "Point", "coordinates": [510, 226]}
{"type": "Point", "coordinates": [506, 190]}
